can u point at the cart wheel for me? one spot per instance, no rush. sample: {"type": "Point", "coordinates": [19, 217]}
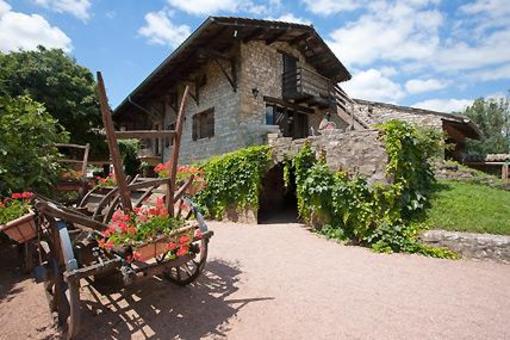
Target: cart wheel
{"type": "Point", "coordinates": [189, 272]}
{"type": "Point", "coordinates": [64, 300]}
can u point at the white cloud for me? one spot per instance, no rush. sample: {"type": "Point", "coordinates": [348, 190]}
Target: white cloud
{"type": "Point", "coordinates": [502, 72]}
{"type": "Point", "coordinates": [404, 32]}
{"type": "Point", "coordinates": [23, 31]}
{"type": "Point", "coordinates": [160, 30]}
{"type": "Point", "coordinates": [206, 7]}
{"type": "Point", "coordinates": [78, 8]}
{"type": "Point", "coordinates": [444, 105]}
{"type": "Point", "coordinates": [419, 86]}
{"type": "Point", "coordinates": [494, 8]}
{"type": "Point", "coordinates": [4, 7]}
{"type": "Point", "coordinates": [373, 85]}
{"type": "Point", "coordinates": [289, 17]}
{"type": "Point", "coordinates": [327, 7]}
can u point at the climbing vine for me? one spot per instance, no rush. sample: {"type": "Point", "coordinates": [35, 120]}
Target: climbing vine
{"type": "Point", "coordinates": [379, 216]}
{"type": "Point", "coordinates": [234, 180]}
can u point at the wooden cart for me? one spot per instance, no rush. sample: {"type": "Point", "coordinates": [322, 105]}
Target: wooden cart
{"type": "Point", "coordinates": [68, 237]}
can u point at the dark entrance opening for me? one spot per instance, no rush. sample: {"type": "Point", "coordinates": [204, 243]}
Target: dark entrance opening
{"type": "Point", "coordinates": [278, 203]}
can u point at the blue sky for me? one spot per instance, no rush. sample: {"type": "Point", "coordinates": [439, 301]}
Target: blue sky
{"type": "Point", "coordinates": [429, 53]}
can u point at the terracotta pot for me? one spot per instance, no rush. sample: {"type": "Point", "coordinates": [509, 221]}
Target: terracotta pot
{"type": "Point", "coordinates": [22, 229]}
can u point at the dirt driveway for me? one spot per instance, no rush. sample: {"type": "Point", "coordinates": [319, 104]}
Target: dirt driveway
{"type": "Point", "coordinates": [282, 282]}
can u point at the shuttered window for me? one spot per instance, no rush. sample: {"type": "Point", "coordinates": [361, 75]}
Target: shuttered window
{"type": "Point", "coordinates": [203, 124]}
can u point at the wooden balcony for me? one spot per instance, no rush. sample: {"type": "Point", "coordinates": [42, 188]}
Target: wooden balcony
{"type": "Point", "coordinates": [306, 86]}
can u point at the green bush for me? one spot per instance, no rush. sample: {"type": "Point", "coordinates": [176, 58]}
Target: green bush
{"type": "Point", "coordinates": [129, 151]}
{"type": "Point", "coordinates": [378, 216]}
{"type": "Point", "coordinates": [27, 159]}
{"type": "Point", "coordinates": [233, 180]}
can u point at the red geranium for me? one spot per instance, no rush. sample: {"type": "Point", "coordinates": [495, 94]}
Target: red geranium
{"type": "Point", "coordinates": [183, 250]}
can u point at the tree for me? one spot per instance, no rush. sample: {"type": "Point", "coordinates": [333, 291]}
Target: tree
{"type": "Point", "coordinates": [66, 89]}
{"type": "Point", "coordinates": [27, 158]}
{"type": "Point", "coordinates": [493, 118]}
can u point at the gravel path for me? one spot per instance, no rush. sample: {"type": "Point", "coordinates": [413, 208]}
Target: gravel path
{"type": "Point", "coordinates": [282, 282]}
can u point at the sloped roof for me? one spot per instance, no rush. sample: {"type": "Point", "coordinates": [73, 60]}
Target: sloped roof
{"type": "Point", "coordinates": [220, 33]}
{"type": "Point", "coordinates": [470, 129]}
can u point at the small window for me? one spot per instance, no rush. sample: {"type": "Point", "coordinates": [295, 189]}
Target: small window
{"type": "Point", "coordinates": [203, 124]}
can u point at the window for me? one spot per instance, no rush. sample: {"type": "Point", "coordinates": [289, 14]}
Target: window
{"type": "Point", "coordinates": [170, 141]}
{"type": "Point", "coordinates": [203, 124]}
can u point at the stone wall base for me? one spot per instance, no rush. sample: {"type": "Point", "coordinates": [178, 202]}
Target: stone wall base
{"type": "Point", "coordinates": [470, 245]}
{"type": "Point", "coordinates": [247, 216]}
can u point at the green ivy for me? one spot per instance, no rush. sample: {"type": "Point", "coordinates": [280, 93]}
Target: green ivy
{"type": "Point", "coordinates": [234, 180]}
{"type": "Point", "coordinates": [379, 216]}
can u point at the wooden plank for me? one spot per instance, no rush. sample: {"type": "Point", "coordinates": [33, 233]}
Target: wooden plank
{"type": "Point", "coordinates": [144, 134]}
{"type": "Point", "coordinates": [113, 145]}
{"type": "Point", "coordinates": [284, 103]}
{"type": "Point", "coordinates": [64, 145]}
{"type": "Point", "coordinates": [175, 153]}
{"type": "Point", "coordinates": [85, 160]}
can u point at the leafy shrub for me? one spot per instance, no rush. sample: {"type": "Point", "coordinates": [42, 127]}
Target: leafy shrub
{"type": "Point", "coordinates": [27, 158]}
{"type": "Point", "coordinates": [234, 180]}
{"type": "Point", "coordinates": [378, 216]}
{"type": "Point", "coordinates": [129, 151]}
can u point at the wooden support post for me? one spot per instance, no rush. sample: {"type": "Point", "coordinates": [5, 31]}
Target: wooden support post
{"type": "Point", "coordinates": [174, 160]}
{"type": "Point", "coordinates": [85, 160]}
{"type": "Point", "coordinates": [112, 144]}
{"type": "Point", "coordinates": [504, 173]}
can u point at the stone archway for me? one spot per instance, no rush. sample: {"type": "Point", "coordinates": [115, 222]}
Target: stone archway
{"type": "Point", "coordinates": [277, 203]}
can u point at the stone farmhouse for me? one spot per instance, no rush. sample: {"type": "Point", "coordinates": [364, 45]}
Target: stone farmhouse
{"type": "Point", "coordinates": [259, 81]}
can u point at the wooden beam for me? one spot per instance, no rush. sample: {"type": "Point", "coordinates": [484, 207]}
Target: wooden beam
{"type": "Point", "coordinates": [64, 145]}
{"type": "Point", "coordinates": [299, 38]}
{"type": "Point", "coordinates": [254, 34]}
{"type": "Point", "coordinates": [284, 103]}
{"type": "Point", "coordinates": [275, 37]}
{"type": "Point", "coordinates": [231, 78]}
{"type": "Point", "coordinates": [113, 145]}
{"type": "Point", "coordinates": [144, 134]}
{"type": "Point", "coordinates": [175, 154]}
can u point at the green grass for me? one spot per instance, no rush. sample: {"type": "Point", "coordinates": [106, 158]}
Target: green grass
{"type": "Point", "coordinates": [469, 207]}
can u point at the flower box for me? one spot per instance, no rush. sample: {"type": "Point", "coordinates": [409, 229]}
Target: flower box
{"type": "Point", "coordinates": [22, 229]}
{"type": "Point", "coordinates": [159, 247]}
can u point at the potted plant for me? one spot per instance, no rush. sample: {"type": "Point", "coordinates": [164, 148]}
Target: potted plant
{"type": "Point", "coordinates": [149, 232]}
{"type": "Point", "coordinates": [16, 217]}
{"type": "Point", "coordinates": [183, 173]}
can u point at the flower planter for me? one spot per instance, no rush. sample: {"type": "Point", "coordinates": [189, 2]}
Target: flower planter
{"type": "Point", "coordinates": [152, 249]}
{"type": "Point", "coordinates": [22, 229]}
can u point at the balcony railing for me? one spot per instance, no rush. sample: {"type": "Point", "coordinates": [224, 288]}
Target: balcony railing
{"type": "Point", "coordinates": [302, 83]}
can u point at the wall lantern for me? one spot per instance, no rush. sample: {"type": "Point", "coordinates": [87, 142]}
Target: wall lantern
{"type": "Point", "coordinates": [255, 92]}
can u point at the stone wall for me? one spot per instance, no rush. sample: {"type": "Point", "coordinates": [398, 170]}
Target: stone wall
{"type": "Point", "coordinates": [375, 113]}
{"type": "Point", "coordinates": [356, 152]}
{"type": "Point", "coordinates": [469, 245]}
{"type": "Point", "coordinates": [262, 69]}
{"type": "Point", "coordinates": [239, 115]}
{"type": "Point", "coordinates": [217, 93]}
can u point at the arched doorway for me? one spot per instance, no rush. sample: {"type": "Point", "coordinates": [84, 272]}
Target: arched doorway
{"type": "Point", "coordinates": [277, 202]}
